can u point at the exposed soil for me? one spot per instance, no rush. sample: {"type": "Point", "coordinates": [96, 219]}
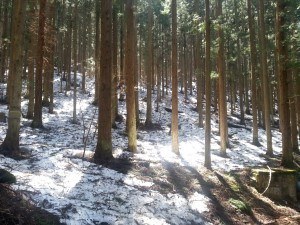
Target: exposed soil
{"type": "Point", "coordinates": [221, 188]}
{"type": "Point", "coordinates": [16, 210]}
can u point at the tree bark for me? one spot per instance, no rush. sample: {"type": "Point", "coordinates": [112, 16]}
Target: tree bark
{"type": "Point", "coordinates": [198, 69]}
{"type": "Point", "coordinates": [207, 162]}
{"type": "Point", "coordinates": [97, 54]}
{"type": "Point", "coordinates": [75, 59]}
{"type": "Point", "coordinates": [222, 85]}
{"type": "Point", "coordinates": [31, 57]}
{"type": "Point", "coordinates": [115, 65]}
{"type": "Point", "coordinates": [149, 62]}
{"type": "Point", "coordinates": [265, 78]}
{"type": "Point", "coordinates": [103, 150]}
{"type": "Point", "coordinates": [174, 127]}
{"type": "Point", "coordinates": [253, 55]}
{"type": "Point", "coordinates": [130, 56]}
{"type": "Point", "coordinates": [37, 118]}
{"type": "Point", "coordinates": [281, 48]}
{"type": "Point", "coordinates": [10, 146]}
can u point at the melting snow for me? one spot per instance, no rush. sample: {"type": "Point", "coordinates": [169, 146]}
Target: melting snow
{"type": "Point", "coordinates": [80, 192]}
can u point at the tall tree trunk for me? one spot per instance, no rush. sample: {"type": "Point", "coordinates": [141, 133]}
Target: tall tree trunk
{"type": "Point", "coordinates": [4, 38]}
{"type": "Point", "coordinates": [52, 38]}
{"type": "Point", "coordinates": [103, 150]}
{"type": "Point", "coordinates": [174, 125]}
{"type": "Point", "coordinates": [31, 57]}
{"type": "Point", "coordinates": [293, 112]}
{"type": "Point", "coordinates": [185, 77]}
{"type": "Point", "coordinates": [265, 77]}
{"type": "Point", "coordinates": [130, 57]}
{"type": "Point", "coordinates": [97, 53]}
{"type": "Point", "coordinates": [68, 56]}
{"type": "Point", "coordinates": [148, 62]}
{"type": "Point", "coordinates": [198, 70]}
{"type": "Point", "coordinates": [241, 82]}
{"type": "Point", "coordinates": [37, 118]}
{"type": "Point", "coordinates": [115, 65]}
{"type": "Point", "coordinates": [253, 55]}
{"type": "Point", "coordinates": [84, 51]}
{"type": "Point", "coordinates": [287, 153]}
{"type": "Point", "coordinates": [136, 75]}
{"type": "Point", "coordinates": [222, 85]}
{"type": "Point", "coordinates": [11, 143]}
{"type": "Point", "coordinates": [75, 59]}
{"type": "Point", "coordinates": [207, 162]}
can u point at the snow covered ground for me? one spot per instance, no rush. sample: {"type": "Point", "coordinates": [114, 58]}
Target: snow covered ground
{"type": "Point", "coordinates": [58, 180]}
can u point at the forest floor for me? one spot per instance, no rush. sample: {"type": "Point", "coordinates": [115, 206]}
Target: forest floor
{"type": "Point", "coordinates": [220, 188]}
{"type": "Point", "coordinates": [153, 186]}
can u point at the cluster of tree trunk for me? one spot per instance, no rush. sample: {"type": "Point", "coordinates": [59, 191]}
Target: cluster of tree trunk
{"type": "Point", "coordinates": [124, 44]}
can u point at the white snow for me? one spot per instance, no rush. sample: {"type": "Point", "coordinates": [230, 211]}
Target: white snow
{"type": "Point", "coordinates": [58, 180]}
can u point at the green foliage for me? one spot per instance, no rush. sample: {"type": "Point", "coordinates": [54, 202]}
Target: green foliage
{"type": "Point", "coordinates": [240, 205]}
{"type": "Point", "coordinates": [214, 75]}
{"type": "Point", "coordinates": [6, 177]}
{"type": "Point", "coordinates": [231, 181]}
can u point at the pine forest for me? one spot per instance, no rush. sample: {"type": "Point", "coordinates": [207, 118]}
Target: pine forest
{"type": "Point", "coordinates": [143, 112]}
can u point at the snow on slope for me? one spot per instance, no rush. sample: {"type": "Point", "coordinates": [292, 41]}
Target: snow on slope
{"type": "Point", "coordinates": [58, 180]}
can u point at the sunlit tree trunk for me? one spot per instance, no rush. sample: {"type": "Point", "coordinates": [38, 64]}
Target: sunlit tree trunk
{"type": "Point", "coordinates": [253, 73]}
{"type": "Point", "coordinates": [287, 153]}
{"type": "Point", "coordinates": [86, 22]}
{"type": "Point", "coordinates": [31, 57]}
{"type": "Point", "coordinates": [148, 62]}
{"type": "Point", "coordinates": [37, 118]}
{"type": "Point", "coordinates": [97, 53]}
{"type": "Point", "coordinates": [293, 113]}
{"type": "Point", "coordinates": [241, 82]}
{"type": "Point", "coordinates": [198, 69]}
{"type": "Point", "coordinates": [115, 65]}
{"type": "Point", "coordinates": [136, 75]}
{"type": "Point", "coordinates": [130, 56]}
{"type": "Point", "coordinates": [75, 59]}
{"type": "Point", "coordinates": [10, 145]}
{"type": "Point", "coordinates": [103, 150]}
{"type": "Point", "coordinates": [207, 162]}
{"type": "Point", "coordinates": [265, 77]}
{"type": "Point", "coordinates": [174, 126]}
{"type": "Point", "coordinates": [52, 38]}
{"type": "Point", "coordinates": [222, 85]}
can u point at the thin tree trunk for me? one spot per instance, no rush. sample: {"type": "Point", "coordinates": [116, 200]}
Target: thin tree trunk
{"type": "Point", "coordinates": [241, 83]}
{"type": "Point", "coordinates": [174, 125]}
{"type": "Point", "coordinates": [97, 54]}
{"type": "Point", "coordinates": [253, 56]}
{"type": "Point", "coordinates": [75, 59]}
{"type": "Point", "coordinates": [115, 66]}
{"type": "Point", "coordinates": [31, 57]}
{"type": "Point", "coordinates": [207, 162]}
{"type": "Point", "coordinates": [52, 52]}
{"type": "Point", "coordinates": [222, 85]}
{"type": "Point", "coordinates": [37, 118]}
{"type": "Point", "coordinates": [149, 72]}
{"type": "Point", "coordinates": [265, 78]}
{"type": "Point", "coordinates": [293, 115]}
{"type": "Point", "coordinates": [198, 70]}
{"type": "Point", "coordinates": [4, 43]}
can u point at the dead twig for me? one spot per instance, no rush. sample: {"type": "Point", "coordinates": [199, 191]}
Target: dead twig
{"type": "Point", "coordinates": [88, 133]}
